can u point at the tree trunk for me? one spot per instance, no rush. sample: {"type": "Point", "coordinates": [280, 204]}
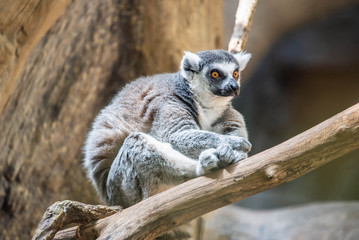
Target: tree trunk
{"type": "Point", "coordinates": [22, 24]}
{"type": "Point", "coordinates": [86, 56]}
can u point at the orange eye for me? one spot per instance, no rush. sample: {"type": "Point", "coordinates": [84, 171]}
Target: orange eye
{"type": "Point", "coordinates": [235, 74]}
{"type": "Point", "coordinates": [215, 74]}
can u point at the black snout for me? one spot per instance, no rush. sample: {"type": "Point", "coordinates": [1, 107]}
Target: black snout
{"type": "Point", "coordinates": [233, 86]}
{"type": "Point", "coordinates": [227, 88]}
{"type": "Point", "coordinates": [231, 89]}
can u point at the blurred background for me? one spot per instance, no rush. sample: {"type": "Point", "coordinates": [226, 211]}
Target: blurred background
{"type": "Point", "coordinates": [305, 69]}
{"type": "Point", "coordinates": [62, 61]}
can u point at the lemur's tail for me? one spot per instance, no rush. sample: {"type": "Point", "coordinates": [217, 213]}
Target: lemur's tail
{"type": "Point", "coordinates": [102, 145]}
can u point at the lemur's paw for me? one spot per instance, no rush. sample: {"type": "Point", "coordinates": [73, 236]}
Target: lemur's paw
{"type": "Point", "coordinates": [225, 155]}
{"type": "Point", "coordinates": [208, 160]}
{"type": "Point", "coordinates": [220, 157]}
{"type": "Point", "coordinates": [228, 156]}
{"type": "Point", "coordinates": [238, 143]}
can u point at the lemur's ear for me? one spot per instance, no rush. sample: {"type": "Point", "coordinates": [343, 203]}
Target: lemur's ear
{"type": "Point", "coordinates": [242, 58]}
{"type": "Point", "coordinates": [190, 64]}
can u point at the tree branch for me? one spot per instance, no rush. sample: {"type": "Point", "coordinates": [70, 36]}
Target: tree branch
{"type": "Point", "coordinates": [280, 164]}
{"type": "Point", "coordinates": [244, 16]}
{"type": "Point", "coordinates": [63, 213]}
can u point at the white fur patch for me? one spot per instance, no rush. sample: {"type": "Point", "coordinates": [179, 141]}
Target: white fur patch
{"type": "Point", "coordinates": [227, 68]}
{"type": "Point", "coordinates": [210, 107]}
{"type": "Point", "coordinates": [242, 58]}
{"type": "Point", "coordinates": [207, 116]}
{"type": "Point", "coordinates": [193, 60]}
{"type": "Point", "coordinates": [183, 165]}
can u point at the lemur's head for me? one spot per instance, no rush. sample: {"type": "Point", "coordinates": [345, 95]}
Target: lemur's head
{"type": "Point", "coordinates": [216, 71]}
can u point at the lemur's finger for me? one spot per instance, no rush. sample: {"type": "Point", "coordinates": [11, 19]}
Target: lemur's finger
{"type": "Point", "coordinates": [239, 143]}
{"type": "Point", "coordinates": [225, 155]}
{"type": "Point", "coordinates": [208, 160]}
{"type": "Point", "coordinates": [239, 155]}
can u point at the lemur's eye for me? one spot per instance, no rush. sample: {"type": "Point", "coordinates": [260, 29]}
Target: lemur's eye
{"type": "Point", "coordinates": [215, 74]}
{"type": "Point", "coordinates": [235, 74]}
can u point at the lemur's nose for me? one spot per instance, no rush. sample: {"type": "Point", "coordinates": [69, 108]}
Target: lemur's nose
{"type": "Point", "coordinates": [234, 86]}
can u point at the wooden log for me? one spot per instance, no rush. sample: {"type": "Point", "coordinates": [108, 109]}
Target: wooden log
{"type": "Point", "coordinates": [293, 158]}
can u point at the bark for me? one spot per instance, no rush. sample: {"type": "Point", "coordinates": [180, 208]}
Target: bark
{"type": "Point", "coordinates": [64, 213]}
{"type": "Point", "coordinates": [93, 49]}
{"type": "Point", "coordinates": [280, 164]}
{"type": "Point", "coordinates": [22, 24]}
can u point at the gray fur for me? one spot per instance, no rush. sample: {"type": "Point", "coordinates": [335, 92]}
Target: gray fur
{"type": "Point", "coordinates": [162, 130]}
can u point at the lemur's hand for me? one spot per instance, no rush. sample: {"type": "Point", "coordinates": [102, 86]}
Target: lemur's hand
{"type": "Point", "coordinates": [208, 161]}
{"type": "Point", "coordinates": [238, 143]}
{"type": "Point", "coordinates": [220, 157]}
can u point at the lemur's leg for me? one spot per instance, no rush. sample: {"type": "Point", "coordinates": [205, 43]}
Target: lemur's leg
{"type": "Point", "coordinates": [193, 142]}
{"type": "Point", "coordinates": [145, 166]}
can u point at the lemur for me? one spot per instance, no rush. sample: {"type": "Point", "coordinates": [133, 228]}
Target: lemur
{"type": "Point", "coordinates": [162, 130]}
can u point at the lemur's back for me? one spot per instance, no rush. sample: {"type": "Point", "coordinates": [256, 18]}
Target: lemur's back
{"type": "Point", "coordinates": [131, 110]}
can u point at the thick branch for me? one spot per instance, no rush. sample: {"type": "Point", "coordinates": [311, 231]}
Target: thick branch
{"type": "Point", "coordinates": [280, 164]}
{"type": "Point", "coordinates": [244, 16]}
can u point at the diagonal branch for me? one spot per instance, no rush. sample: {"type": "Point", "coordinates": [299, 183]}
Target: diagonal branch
{"type": "Point", "coordinates": [295, 157]}
{"type": "Point", "coordinates": [244, 16]}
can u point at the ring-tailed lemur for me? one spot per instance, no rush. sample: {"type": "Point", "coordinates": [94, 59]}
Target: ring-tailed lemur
{"type": "Point", "coordinates": [162, 130]}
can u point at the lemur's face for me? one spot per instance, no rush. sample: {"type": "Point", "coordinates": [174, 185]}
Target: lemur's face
{"type": "Point", "coordinates": [215, 71]}
{"type": "Point", "coordinates": [223, 78]}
